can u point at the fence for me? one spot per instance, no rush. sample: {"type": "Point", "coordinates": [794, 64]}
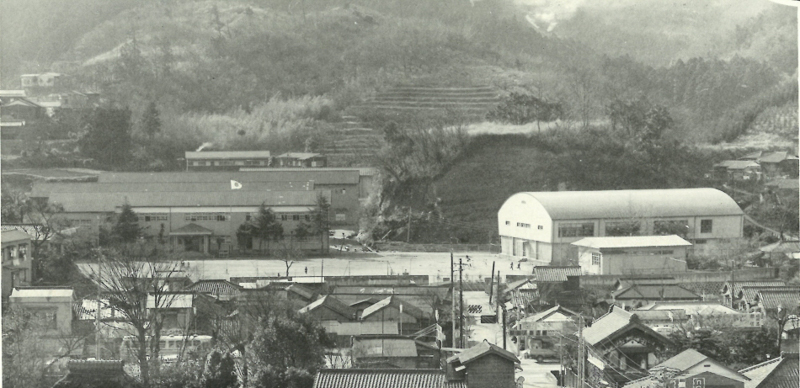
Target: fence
{"type": "Point", "coordinates": [684, 277]}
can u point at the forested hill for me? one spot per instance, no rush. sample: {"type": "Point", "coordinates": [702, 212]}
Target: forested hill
{"type": "Point", "coordinates": [241, 72]}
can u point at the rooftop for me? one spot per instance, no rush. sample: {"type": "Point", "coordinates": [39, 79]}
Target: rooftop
{"type": "Point", "coordinates": [358, 328]}
{"type": "Point", "coordinates": [42, 292]}
{"type": "Point", "coordinates": [776, 157]}
{"type": "Point", "coordinates": [384, 378]}
{"type": "Point", "coordinates": [579, 205]}
{"type": "Point", "coordinates": [737, 164]}
{"type": "Point", "coordinates": [555, 274]}
{"type": "Point", "coordinates": [332, 303]}
{"type": "Point", "coordinates": [10, 236]}
{"type": "Point", "coordinates": [632, 242]}
{"type": "Point", "coordinates": [737, 286]}
{"type": "Point", "coordinates": [394, 301]}
{"type": "Point", "coordinates": [385, 347]}
{"type": "Point", "coordinates": [226, 154]}
{"type": "Point", "coordinates": [44, 189]}
{"type": "Point", "coordinates": [318, 175]}
{"type": "Point", "coordinates": [300, 155]}
{"type": "Point", "coordinates": [615, 323]}
{"type": "Point", "coordinates": [773, 298]}
{"type": "Point", "coordinates": [781, 372]}
{"type": "Point", "coordinates": [654, 292]}
{"type": "Point", "coordinates": [482, 349]}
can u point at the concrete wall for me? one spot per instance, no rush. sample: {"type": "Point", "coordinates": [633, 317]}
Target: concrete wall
{"type": "Point", "coordinates": [62, 307]}
{"type": "Point", "coordinates": [490, 371]}
{"type": "Point", "coordinates": [607, 281]}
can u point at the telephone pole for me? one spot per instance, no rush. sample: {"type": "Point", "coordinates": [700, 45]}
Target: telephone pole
{"type": "Point", "coordinates": [491, 285]}
{"type": "Point", "coordinates": [461, 301]}
{"type": "Point", "coordinates": [581, 354]}
{"type": "Point", "coordinates": [452, 300]}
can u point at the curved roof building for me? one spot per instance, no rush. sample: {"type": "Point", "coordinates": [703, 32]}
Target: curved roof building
{"type": "Point", "coordinates": [540, 225]}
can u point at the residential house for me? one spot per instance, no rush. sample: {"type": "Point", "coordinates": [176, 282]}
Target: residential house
{"type": "Point", "coordinates": [393, 310]}
{"type": "Point", "coordinates": [423, 297]}
{"type": "Point", "coordinates": [220, 289]}
{"type": "Point", "coordinates": [17, 260]}
{"type": "Point", "coordinates": [732, 291]}
{"type": "Point", "coordinates": [543, 225]}
{"type": "Point", "coordinates": [693, 369]}
{"type": "Point", "coordinates": [329, 308]}
{"type": "Point", "coordinates": [343, 332]}
{"type": "Point", "coordinates": [544, 329]}
{"type": "Point", "coordinates": [226, 160]}
{"type": "Point", "coordinates": [176, 309]}
{"type": "Point", "coordinates": [738, 170]}
{"type": "Point", "coordinates": [779, 300]}
{"type": "Point", "coordinates": [779, 163]}
{"type": "Point", "coordinates": [393, 351]}
{"type": "Point", "coordinates": [780, 372]}
{"type": "Point", "coordinates": [51, 306]}
{"type": "Point", "coordinates": [40, 80]}
{"type": "Point", "coordinates": [637, 293]}
{"type": "Point", "coordinates": [699, 314]}
{"type": "Point", "coordinates": [361, 305]}
{"type": "Point", "coordinates": [301, 159]}
{"type": "Point", "coordinates": [626, 344]}
{"type": "Point", "coordinates": [662, 321]}
{"type": "Point", "coordinates": [484, 365]}
{"type": "Point", "coordinates": [782, 249]}
{"type": "Point", "coordinates": [522, 293]}
{"type": "Point", "coordinates": [632, 254]}
{"type": "Point", "coordinates": [386, 378]}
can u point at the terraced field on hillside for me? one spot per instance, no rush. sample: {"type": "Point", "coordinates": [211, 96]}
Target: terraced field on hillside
{"type": "Point", "coordinates": [352, 145]}
{"type": "Point", "coordinates": [472, 100]}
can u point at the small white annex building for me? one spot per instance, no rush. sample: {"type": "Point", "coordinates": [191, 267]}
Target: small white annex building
{"type": "Point", "coordinates": [630, 255]}
{"type": "Point", "coordinates": [542, 225]}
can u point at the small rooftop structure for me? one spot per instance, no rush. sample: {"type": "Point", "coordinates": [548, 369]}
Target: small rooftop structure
{"type": "Point", "coordinates": [14, 236]}
{"type": "Point", "coordinates": [632, 242]}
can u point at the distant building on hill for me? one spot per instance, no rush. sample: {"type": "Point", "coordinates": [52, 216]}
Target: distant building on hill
{"type": "Point", "coordinates": [632, 254]}
{"type": "Point", "coordinates": [17, 260]}
{"type": "Point", "coordinates": [543, 225]}
{"type": "Point", "coordinates": [301, 159]}
{"type": "Point", "coordinates": [41, 80]}
{"type": "Point", "coordinates": [226, 160]}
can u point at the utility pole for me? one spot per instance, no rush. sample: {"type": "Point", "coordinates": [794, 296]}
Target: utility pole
{"type": "Point", "coordinates": [461, 301]}
{"type": "Point", "coordinates": [504, 326]}
{"type": "Point", "coordinates": [497, 297]}
{"type": "Point", "coordinates": [452, 300]}
{"type": "Point", "coordinates": [491, 285]}
{"type": "Point", "coordinates": [561, 360]}
{"type": "Point", "coordinates": [408, 229]}
{"type": "Point", "coordinates": [733, 276]}
{"type": "Point", "coordinates": [581, 354]}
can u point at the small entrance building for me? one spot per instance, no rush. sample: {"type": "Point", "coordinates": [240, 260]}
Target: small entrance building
{"type": "Point", "coordinates": [192, 238]}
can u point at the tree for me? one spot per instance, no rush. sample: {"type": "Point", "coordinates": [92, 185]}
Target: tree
{"type": "Point", "coordinates": [520, 108]}
{"type": "Point", "coordinates": [288, 253]}
{"type": "Point", "coordinates": [108, 137]}
{"type": "Point", "coordinates": [286, 351]}
{"type": "Point", "coordinates": [266, 226]}
{"type": "Point", "coordinates": [321, 223]}
{"type": "Point", "coordinates": [14, 203]}
{"type": "Point", "coordinates": [136, 283]}
{"type": "Point", "coordinates": [151, 123]}
{"type": "Point", "coordinates": [126, 230]}
{"type": "Point", "coordinates": [219, 371]}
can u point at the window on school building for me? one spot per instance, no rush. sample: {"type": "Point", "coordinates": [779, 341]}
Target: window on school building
{"type": "Point", "coordinates": [585, 229]}
{"type": "Point", "coordinates": [144, 217]}
{"type": "Point", "coordinates": [508, 222]}
{"type": "Point", "coordinates": [284, 217]}
{"type": "Point", "coordinates": [623, 228]}
{"type": "Point", "coordinates": [596, 258]}
{"type": "Point", "coordinates": [295, 217]}
{"type": "Point", "coordinates": [678, 227]}
{"type": "Point", "coordinates": [207, 217]}
{"type": "Point", "coordinates": [523, 225]}
{"type": "Point", "coordinates": [706, 226]}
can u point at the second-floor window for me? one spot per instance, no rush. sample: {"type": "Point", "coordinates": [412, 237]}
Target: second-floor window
{"type": "Point", "coordinates": [706, 226]}
{"type": "Point", "coordinates": [585, 229]}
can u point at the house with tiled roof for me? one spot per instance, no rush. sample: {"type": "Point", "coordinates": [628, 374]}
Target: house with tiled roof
{"type": "Point", "coordinates": [779, 163]}
{"type": "Point", "coordinates": [96, 373]}
{"type": "Point", "coordinates": [392, 350]}
{"type": "Point", "coordinates": [542, 330]}
{"type": "Point", "coordinates": [700, 314]}
{"type": "Point", "coordinates": [395, 310]}
{"type": "Point", "coordinates": [732, 291]}
{"type": "Point", "coordinates": [484, 365]}
{"type": "Point", "coordinates": [781, 372]}
{"type": "Point", "coordinates": [301, 159]}
{"type": "Point", "coordinates": [329, 308]}
{"type": "Point", "coordinates": [737, 170]}
{"type": "Point", "coordinates": [220, 289]}
{"type": "Point", "coordinates": [691, 368]}
{"type": "Point", "coordinates": [385, 378]}
{"type": "Point", "coordinates": [773, 299]}
{"type": "Point", "coordinates": [636, 294]}
{"type": "Point", "coordinates": [627, 344]}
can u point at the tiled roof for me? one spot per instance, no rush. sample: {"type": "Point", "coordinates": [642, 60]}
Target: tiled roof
{"type": "Point", "coordinates": [785, 297]}
{"type": "Point", "coordinates": [632, 242]}
{"type": "Point", "coordinates": [582, 205]}
{"type": "Point", "coordinates": [385, 347]}
{"type": "Point", "coordinates": [654, 292]}
{"type": "Point", "coordinates": [480, 350]}
{"type": "Point", "coordinates": [318, 175]}
{"type": "Point", "coordinates": [215, 287]}
{"type": "Point", "coordinates": [684, 360]}
{"type": "Point", "coordinates": [408, 308]}
{"type": "Point", "coordinates": [299, 155]}
{"type": "Point", "coordinates": [359, 328]}
{"type": "Point", "coordinates": [555, 274]}
{"type": "Point", "coordinates": [737, 286]}
{"type": "Point", "coordinates": [384, 378]}
{"type": "Point", "coordinates": [749, 293]}
{"type": "Point", "coordinates": [332, 303]}
{"type": "Point", "coordinates": [781, 372]}
{"type": "Point", "coordinates": [660, 315]}
{"type": "Point", "coordinates": [615, 323]}
{"type": "Point", "coordinates": [108, 202]}
{"type": "Point", "coordinates": [226, 154]}
{"type": "Point", "coordinates": [542, 315]}
{"type": "Point", "coordinates": [305, 292]}
{"type": "Point", "coordinates": [9, 236]}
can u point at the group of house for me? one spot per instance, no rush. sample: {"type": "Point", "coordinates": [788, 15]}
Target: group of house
{"type": "Point", "coordinates": [758, 166]}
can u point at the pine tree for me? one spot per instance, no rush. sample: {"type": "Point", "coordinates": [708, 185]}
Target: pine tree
{"type": "Point", "coordinates": [126, 229]}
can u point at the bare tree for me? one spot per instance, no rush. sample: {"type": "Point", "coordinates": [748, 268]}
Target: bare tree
{"type": "Point", "coordinates": [289, 253]}
{"type": "Point", "coordinates": [137, 284]}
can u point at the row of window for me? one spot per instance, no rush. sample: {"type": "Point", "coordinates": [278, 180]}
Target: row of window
{"type": "Point", "coordinates": [207, 217]}
{"type": "Point", "coordinates": [524, 225]}
{"type": "Point", "coordinates": [230, 163]}
{"type": "Point", "coordinates": [632, 228]}
{"type": "Point", "coordinates": [144, 217]}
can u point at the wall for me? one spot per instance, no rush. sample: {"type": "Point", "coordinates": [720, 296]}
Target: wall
{"type": "Point", "coordinates": [61, 306]}
{"type": "Point", "coordinates": [713, 380]}
{"type": "Point", "coordinates": [522, 208]}
{"type": "Point", "coordinates": [621, 263]}
{"type": "Point", "coordinates": [607, 281]}
{"type": "Point", "coordinates": [490, 371]}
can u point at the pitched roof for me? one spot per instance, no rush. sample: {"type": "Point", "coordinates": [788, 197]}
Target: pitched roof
{"type": "Point", "coordinates": [303, 291]}
{"type": "Point", "coordinates": [689, 307]}
{"type": "Point", "coordinates": [318, 175]}
{"type": "Point", "coordinates": [782, 247]}
{"type": "Point", "coordinates": [749, 293]}
{"type": "Point", "coordinates": [792, 184]}
{"type": "Point", "coordinates": [737, 164]}
{"type": "Point", "coordinates": [44, 189]}
{"type": "Point", "coordinates": [393, 301]}
{"type": "Point", "coordinates": [542, 315]}
{"type": "Point", "coordinates": [215, 287]}
{"type": "Point", "coordinates": [774, 157]}
{"type": "Point", "coordinates": [191, 229]}
{"type": "Point", "coordinates": [654, 291]}
{"type": "Point", "coordinates": [632, 242]}
{"type": "Point", "coordinates": [579, 205]}
{"type": "Point", "coordinates": [661, 315]}
{"type": "Point", "coordinates": [358, 328]}
{"type": "Point", "coordinates": [9, 236]}
{"type": "Point", "coordinates": [684, 360]}
{"type": "Point", "coordinates": [737, 286]}
{"type": "Point", "coordinates": [331, 303]}
{"type": "Point", "coordinates": [781, 372]}
{"type": "Point", "coordinates": [554, 273]}
{"type": "Point", "coordinates": [617, 322]}
{"type": "Point", "coordinates": [384, 378]}
{"type": "Point", "coordinates": [226, 154]}
{"type": "Point", "coordinates": [785, 297]}
{"type": "Point", "coordinates": [108, 202]}
{"type": "Point", "coordinates": [299, 155]}
{"type": "Point", "coordinates": [385, 346]}
{"type": "Point", "coordinates": [482, 349]}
